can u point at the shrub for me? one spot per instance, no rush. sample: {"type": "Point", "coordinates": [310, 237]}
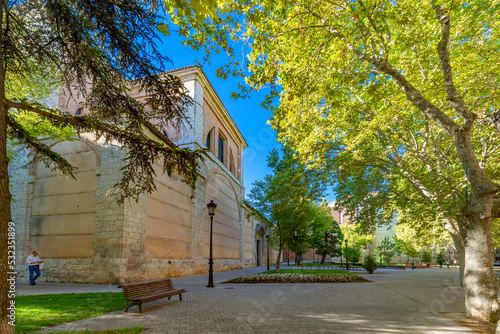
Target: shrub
{"type": "Point", "coordinates": [370, 264]}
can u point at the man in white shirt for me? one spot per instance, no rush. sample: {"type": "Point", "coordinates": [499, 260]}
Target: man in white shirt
{"type": "Point", "coordinates": [33, 261]}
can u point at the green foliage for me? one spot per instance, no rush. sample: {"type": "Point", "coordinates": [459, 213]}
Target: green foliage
{"type": "Point", "coordinates": [357, 239]}
{"type": "Point", "coordinates": [341, 69]}
{"type": "Point", "coordinates": [355, 235]}
{"type": "Point", "coordinates": [327, 243]}
{"type": "Point", "coordinates": [301, 240]}
{"type": "Point", "coordinates": [36, 312]}
{"type": "Point", "coordinates": [441, 256]}
{"type": "Point", "coordinates": [326, 234]}
{"type": "Point", "coordinates": [309, 271]}
{"type": "Point", "coordinates": [285, 200]}
{"type": "Point", "coordinates": [353, 253]}
{"type": "Point", "coordinates": [298, 243]}
{"type": "Point", "coordinates": [94, 50]}
{"type": "Point", "coordinates": [407, 246]}
{"type": "Point", "coordinates": [370, 264]}
{"type": "Point", "coordinates": [310, 264]}
{"type": "Point", "coordinates": [393, 100]}
{"type": "Point", "coordinates": [107, 44]}
{"type": "Point", "coordinates": [384, 250]}
{"type": "Point", "coordinates": [426, 256]}
{"type": "Point", "coordinates": [495, 233]}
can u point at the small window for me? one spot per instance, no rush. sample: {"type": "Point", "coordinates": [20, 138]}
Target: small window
{"type": "Point", "coordinates": [220, 153]}
{"type": "Point", "coordinates": [78, 112]}
{"type": "Point", "coordinates": [232, 169]}
{"type": "Point", "coordinates": [207, 142]}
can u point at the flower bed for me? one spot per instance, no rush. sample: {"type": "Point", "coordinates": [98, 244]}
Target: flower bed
{"type": "Point", "coordinates": [298, 278]}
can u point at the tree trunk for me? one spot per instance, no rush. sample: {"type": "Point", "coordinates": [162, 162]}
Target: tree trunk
{"type": "Point", "coordinates": [6, 297]}
{"type": "Point", "coordinates": [458, 241]}
{"type": "Point", "coordinates": [461, 263]}
{"type": "Point", "coordinates": [6, 267]}
{"type": "Point", "coordinates": [280, 249]}
{"type": "Point", "coordinates": [480, 282]}
{"type": "Point", "coordinates": [323, 258]}
{"type": "Point", "coordinates": [298, 259]}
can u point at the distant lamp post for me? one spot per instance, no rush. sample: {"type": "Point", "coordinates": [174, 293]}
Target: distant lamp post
{"type": "Point", "coordinates": [346, 256]}
{"type": "Point", "coordinates": [211, 211]}
{"type": "Point", "coordinates": [326, 246]}
{"type": "Point", "coordinates": [341, 254]}
{"type": "Point", "coordinates": [267, 238]}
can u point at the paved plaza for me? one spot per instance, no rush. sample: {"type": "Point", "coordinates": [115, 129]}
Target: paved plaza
{"type": "Point", "coordinates": [395, 301]}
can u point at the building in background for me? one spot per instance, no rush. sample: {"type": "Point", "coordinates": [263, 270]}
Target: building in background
{"type": "Point", "coordinates": [85, 236]}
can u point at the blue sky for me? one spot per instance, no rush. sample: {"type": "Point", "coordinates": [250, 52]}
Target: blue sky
{"type": "Point", "coordinates": [248, 115]}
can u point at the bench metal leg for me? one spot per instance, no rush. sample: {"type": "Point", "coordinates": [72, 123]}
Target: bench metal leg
{"type": "Point", "coordinates": [180, 297]}
{"type": "Point", "coordinates": [169, 297]}
{"type": "Point", "coordinates": [140, 307]}
{"type": "Point", "coordinates": [129, 304]}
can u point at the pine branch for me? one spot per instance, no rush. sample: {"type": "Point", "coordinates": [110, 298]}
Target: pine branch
{"type": "Point", "coordinates": [41, 152]}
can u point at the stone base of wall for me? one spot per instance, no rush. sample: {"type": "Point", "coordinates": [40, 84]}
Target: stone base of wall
{"type": "Point", "coordinates": [83, 270]}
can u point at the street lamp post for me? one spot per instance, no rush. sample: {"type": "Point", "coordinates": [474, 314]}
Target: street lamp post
{"type": "Point", "coordinates": [211, 211]}
{"type": "Point", "coordinates": [267, 237]}
{"type": "Point", "coordinates": [346, 256]}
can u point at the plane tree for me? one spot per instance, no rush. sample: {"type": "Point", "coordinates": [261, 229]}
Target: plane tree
{"type": "Point", "coordinates": [438, 60]}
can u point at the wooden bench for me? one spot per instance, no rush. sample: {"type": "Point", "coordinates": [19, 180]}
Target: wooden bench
{"type": "Point", "coordinates": [147, 291]}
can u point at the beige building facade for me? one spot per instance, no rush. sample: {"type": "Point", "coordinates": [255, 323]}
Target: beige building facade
{"type": "Point", "coordinates": [86, 236]}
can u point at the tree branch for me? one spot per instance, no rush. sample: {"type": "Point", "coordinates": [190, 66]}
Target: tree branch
{"type": "Point", "coordinates": [444, 57]}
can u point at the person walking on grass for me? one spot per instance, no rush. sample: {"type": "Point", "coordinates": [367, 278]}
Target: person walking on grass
{"type": "Point", "coordinates": [33, 262]}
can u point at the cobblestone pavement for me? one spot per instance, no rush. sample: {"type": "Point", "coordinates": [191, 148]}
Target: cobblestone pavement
{"type": "Point", "coordinates": [395, 301]}
{"type": "Point", "coordinates": [188, 283]}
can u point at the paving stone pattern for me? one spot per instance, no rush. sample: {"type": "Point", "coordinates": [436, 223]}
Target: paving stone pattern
{"type": "Point", "coordinates": [395, 301]}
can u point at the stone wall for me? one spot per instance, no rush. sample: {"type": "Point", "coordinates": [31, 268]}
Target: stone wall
{"type": "Point", "coordinates": [63, 209]}
{"type": "Point", "coordinates": [86, 236]}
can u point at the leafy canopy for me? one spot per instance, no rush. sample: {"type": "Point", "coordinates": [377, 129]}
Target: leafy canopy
{"type": "Point", "coordinates": [286, 199]}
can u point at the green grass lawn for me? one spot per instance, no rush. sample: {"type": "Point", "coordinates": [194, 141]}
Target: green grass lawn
{"type": "Point", "coordinates": [309, 271]}
{"type": "Point", "coordinates": [36, 312]}
{"type": "Point", "coordinates": [133, 330]}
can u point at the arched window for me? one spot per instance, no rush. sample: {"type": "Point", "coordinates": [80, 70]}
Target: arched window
{"type": "Point", "coordinates": [78, 112]}
{"type": "Point", "coordinates": [232, 169]}
{"type": "Point", "coordinates": [207, 142]}
{"type": "Point", "coordinates": [220, 151]}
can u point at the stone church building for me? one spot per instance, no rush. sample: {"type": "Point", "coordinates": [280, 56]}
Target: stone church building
{"type": "Point", "coordinates": [85, 236]}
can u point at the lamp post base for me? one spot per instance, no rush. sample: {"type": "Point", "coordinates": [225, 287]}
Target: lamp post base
{"type": "Point", "coordinates": [211, 274]}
